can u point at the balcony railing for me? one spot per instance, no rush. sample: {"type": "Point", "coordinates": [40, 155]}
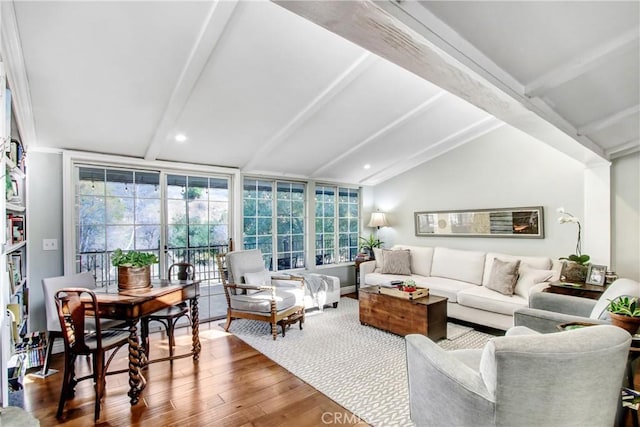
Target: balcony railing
{"type": "Point", "coordinates": [202, 258]}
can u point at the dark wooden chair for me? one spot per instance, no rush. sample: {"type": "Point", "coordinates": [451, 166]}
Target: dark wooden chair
{"type": "Point", "coordinates": [169, 316]}
{"type": "Point", "coordinates": [77, 307]}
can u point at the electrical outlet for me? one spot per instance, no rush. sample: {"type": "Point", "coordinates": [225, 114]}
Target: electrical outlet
{"type": "Point", "coordinates": [49, 244]}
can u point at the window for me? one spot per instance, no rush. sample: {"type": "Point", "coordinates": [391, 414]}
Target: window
{"type": "Point", "coordinates": [342, 206]}
{"type": "Point", "coordinates": [115, 209]}
{"type": "Point", "coordinates": [274, 221]}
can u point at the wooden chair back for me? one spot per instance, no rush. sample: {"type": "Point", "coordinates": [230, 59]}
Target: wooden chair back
{"type": "Point", "coordinates": [75, 306]}
{"type": "Point", "coordinates": [182, 271]}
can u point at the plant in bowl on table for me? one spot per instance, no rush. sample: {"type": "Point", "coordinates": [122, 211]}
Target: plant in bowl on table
{"type": "Point", "coordinates": [625, 313]}
{"type": "Point", "coordinates": [134, 268]}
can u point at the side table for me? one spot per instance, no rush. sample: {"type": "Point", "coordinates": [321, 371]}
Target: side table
{"type": "Point", "coordinates": [576, 289]}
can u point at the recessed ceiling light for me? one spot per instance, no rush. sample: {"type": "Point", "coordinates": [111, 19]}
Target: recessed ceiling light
{"type": "Point", "coordinates": [367, 166]}
{"type": "Point", "coordinates": [181, 137]}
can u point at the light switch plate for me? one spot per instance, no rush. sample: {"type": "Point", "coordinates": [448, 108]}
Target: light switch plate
{"type": "Point", "coordinates": [49, 244]}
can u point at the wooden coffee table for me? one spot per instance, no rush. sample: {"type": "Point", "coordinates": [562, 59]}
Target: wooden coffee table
{"type": "Point", "coordinates": [425, 316]}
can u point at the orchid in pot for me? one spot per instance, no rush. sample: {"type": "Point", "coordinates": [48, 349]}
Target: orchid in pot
{"type": "Point", "coordinates": [575, 269]}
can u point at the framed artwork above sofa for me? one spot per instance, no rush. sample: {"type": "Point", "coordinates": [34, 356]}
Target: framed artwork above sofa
{"type": "Point", "coordinates": [526, 222]}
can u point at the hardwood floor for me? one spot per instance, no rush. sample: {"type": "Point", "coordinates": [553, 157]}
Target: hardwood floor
{"type": "Point", "coordinates": [231, 385]}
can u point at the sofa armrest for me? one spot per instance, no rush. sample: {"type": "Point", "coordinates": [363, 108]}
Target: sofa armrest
{"type": "Point", "coordinates": [565, 304]}
{"type": "Point", "coordinates": [432, 370]}
{"type": "Point", "coordinates": [366, 268]}
{"type": "Point", "coordinates": [547, 321]}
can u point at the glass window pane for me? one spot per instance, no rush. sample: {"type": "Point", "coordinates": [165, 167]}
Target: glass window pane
{"type": "Point", "coordinates": [91, 210]}
{"type": "Point", "coordinates": [265, 208]}
{"type": "Point", "coordinates": [147, 185]}
{"type": "Point", "coordinates": [198, 236]}
{"type": "Point", "coordinates": [119, 210]}
{"type": "Point", "coordinates": [176, 186]}
{"type": "Point", "coordinates": [148, 237]}
{"type": "Point", "coordinates": [177, 236]}
{"type": "Point", "coordinates": [265, 226]}
{"type": "Point", "coordinates": [90, 181]}
{"type": "Point", "coordinates": [176, 212]}
{"type": "Point", "coordinates": [120, 236]}
{"type": "Point", "coordinates": [91, 238]}
{"type": "Point", "coordinates": [218, 212]}
{"type": "Point", "coordinates": [148, 211]}
{"type": "Point", "coordinates": [120, 183]}
{"type": "Point", "coordinates": [218, 234]}
{"type": "Point", "coordinates": [249, 207]}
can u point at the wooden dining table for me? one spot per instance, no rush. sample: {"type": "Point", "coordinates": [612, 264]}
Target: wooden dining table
{"type": "Point", "coordinates": [131, 305]}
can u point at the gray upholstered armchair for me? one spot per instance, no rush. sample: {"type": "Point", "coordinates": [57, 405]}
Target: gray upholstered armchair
{"type": "Point", "coordinates": [570, 378]}
{"type": "Point", "coordinates": [546, 310]}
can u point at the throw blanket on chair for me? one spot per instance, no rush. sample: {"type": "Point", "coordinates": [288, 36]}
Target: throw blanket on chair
{"type": "Point", "coordinates": [318, 285]}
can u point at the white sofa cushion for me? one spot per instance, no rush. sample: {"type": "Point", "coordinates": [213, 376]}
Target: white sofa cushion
{"type": "Point", "coordinates": [442, 286]}
{"type": "Point", "coordinates": [456, 264]}
{"type": "Point", "coordinates": [486, 299]}
{"type": "Point", "coordinates": [540, 263]}
{"type": "Point", "coordinates": [421, 258]}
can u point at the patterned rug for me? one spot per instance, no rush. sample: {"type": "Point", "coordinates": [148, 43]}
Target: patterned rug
{"type": "Point", "coordinates": [360, 367]}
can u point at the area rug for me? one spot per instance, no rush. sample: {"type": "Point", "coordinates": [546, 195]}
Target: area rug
{"type": "Point", "coordinates": [360, 367]}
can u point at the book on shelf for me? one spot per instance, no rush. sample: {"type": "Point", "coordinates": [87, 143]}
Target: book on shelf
{"type": "Point", "coordinates": [15, 229]}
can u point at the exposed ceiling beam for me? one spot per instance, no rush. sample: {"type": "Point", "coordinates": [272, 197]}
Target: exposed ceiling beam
{"type": "Point", "coordinates": [624, 149]}
{"type": "Point", "coordinates": [212, 29]}
{"type": "Point", "coordinates": [444, 145]}
{"type": "Point", "coordinates": [345, 78]}
{"type": "Point", "coordinates": [606, 122]}
{"type": "Point", "coordinates": [576, 67]}
{"type": "Point", "coordinates": [383, 131]}
{"type": "Point", "coordinates": [390, 30]}
{"type": "Point", "coordinates": [17, 75]}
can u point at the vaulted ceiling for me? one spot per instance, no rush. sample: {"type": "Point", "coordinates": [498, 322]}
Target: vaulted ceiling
{"type": "Point", "coordinates": [321, 89]}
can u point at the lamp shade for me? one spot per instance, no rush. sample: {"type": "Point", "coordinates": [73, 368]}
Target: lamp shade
{"type": "Point", "coordinates": [378, 219]}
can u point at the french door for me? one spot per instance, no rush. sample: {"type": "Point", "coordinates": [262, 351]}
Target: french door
{"type": "Point", "coordinates": [179, 217]}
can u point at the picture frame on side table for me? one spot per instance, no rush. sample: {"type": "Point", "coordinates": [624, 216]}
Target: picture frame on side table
{"type": "Point", "coordinates": [596, 274]}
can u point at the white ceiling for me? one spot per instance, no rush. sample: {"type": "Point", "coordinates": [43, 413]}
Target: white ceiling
{"type": "Point", "coordinates": [254, 86]}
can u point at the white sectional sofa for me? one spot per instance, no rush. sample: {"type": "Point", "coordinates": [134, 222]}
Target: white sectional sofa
{"type": "Point", "coordinates": [465, 278]}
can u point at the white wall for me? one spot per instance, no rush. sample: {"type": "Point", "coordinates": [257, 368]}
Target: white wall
{"type": "Point", "coordinates": [44, 221]}
{"type": "Point", "coordinates": [505, 168]}
{"type": "Point", "coordinates": [625, 204]}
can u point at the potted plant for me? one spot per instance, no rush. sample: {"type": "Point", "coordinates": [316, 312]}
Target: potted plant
{"type": "Point", "coordinates": [625, 313]}
{"type": "Point", "coordinates": [576, 265]}
{"type": "Point", "coordinates": [134, 268]}
{"type": "Point", "coordinates": [367, 245]}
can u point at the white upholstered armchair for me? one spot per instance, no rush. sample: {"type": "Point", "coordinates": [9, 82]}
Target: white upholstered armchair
{"type": "Point", "coordinates": [252, 293]}
{"type": "Point", "coordinates": [570, 378]}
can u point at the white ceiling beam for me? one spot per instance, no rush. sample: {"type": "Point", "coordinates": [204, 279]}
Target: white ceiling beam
{"type": "Point", "coordinates": [578, 66]}
{"type": "Point", "coordinates": [444, 145]}
{"type": "Point", "coordinates": [214, 24]}
{"type": "Point", "coordinates": [397, 31]}
{"type": "Point", "coordinates": [341, 82]}
{"type": "Point", "coordinates": [421, 108]}
{"type": "Point", "coordinates": [623, 149]}
{"type": "Point", "coordinates": [17, 75]}
{"type": "Point", "coordinates": [606, 122]}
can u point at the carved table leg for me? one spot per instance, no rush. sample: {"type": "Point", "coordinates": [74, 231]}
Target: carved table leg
{"type": "Point", "coordinates": [137, 381]}
{"type": "Point", "coordinates": [195, 326]}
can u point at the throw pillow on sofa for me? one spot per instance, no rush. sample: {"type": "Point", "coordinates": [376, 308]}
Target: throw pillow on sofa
{"type": "Point", "coordinates": [503, 276]}
{"type": "Point", "coordinates": [396, 262]}
{"type": "Point", "coordinates": [528, 278]}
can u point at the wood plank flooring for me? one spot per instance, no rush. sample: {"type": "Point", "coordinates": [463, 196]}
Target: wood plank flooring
{"type": "Point", "coordinates": [231, 385]}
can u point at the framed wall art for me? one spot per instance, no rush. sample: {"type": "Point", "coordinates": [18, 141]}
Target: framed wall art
{"type": "Point", "coordinates": [525, 222]}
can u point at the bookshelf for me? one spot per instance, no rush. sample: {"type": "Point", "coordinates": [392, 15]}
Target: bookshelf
{"type": "Point", "coordinates": [20, 349]}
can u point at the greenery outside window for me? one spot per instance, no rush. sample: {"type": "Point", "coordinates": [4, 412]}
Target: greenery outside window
{"type": "Point", "coordinates": [341, 206]}
{"type": "Point", "coordinates": [274, 221]}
